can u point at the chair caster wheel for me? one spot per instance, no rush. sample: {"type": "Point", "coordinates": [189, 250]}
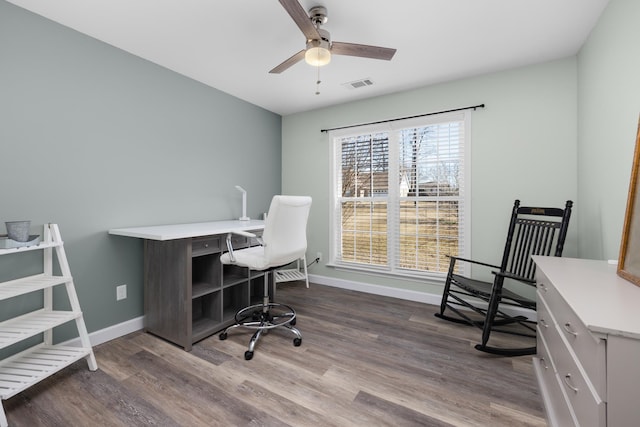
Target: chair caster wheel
{"type": "Point", "coordinates": [297, 342]}
{"type": "Point", "coordinates": [248, 355]}
{"type": "Point", "coordinates": [222, 336]}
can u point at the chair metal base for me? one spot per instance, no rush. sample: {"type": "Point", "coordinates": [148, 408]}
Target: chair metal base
{"type": "Point", "coordinates": [264, 317]}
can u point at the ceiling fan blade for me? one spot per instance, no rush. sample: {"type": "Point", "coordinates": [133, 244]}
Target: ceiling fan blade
{"type": "Point", "coordinates": [289, 62]}
{"type": "Point", "coordinates": [301, 18]}
{"type": "Point", "coordinates": [362, 50]}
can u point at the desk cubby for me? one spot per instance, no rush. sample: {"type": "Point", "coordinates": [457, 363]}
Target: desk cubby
{"type": "Point", "coordinates": [235, 297]}
{"type": "Point", "coordinates": [206, 315]}
{"type": "Point", "coordinates": [189, 295]}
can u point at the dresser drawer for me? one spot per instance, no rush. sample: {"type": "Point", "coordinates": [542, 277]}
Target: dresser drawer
{"type": "Point", "coordinates": [556, 403]}
{"type": "Point", "coordinates": [585, 400]}
{"type": "Point", "coordinates": [546, 327]}
{"type": "Point", "coordinates": [588, 348]}
{"type": "Point", "coordinates": [587, 406]}
{"type": "Point", "coordinates": [205, 245]}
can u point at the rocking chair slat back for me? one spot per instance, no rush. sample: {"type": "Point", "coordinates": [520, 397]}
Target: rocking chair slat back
{"type": "Point", "coordinates": [533, 231]}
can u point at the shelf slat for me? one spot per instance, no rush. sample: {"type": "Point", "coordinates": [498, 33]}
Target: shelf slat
{"type": "Point", "coordinates": [29, 284]}
{"type": "Point", "coordinates": [25, 369]}
{"type": "Point", "coordinates": [201, 289]}
{"type": "Point", "coordinates": [31, 324]}
{"type": "Point", "coordinates": [37, 247]}
{"type": "Point", "coordinates": [289, 275]}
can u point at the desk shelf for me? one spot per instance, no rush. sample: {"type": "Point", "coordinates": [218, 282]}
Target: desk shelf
{"type": "Point", "coordinates": [232, 275]}
{"type": "Point", "coordinates": [201, 289]}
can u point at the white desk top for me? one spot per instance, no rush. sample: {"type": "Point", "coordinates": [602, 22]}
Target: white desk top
{"type": "Point", "coordinates": [604, 301]}
{"type": "Point", "coordinates": [182, 231]}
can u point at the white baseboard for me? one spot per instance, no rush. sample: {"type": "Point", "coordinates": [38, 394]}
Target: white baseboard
{"type": "Point", "coordinates": [133, 325]}
{"type": "Point", "coordinates": [112, 332]}
{"type": "Point", "coordinates": [386, 291]}
{"type": "Point", "coordinates": [406, 294]}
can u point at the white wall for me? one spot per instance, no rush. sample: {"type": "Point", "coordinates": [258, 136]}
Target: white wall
{"type": "Point", "coordinates": [609, 105]}
{"type": "Point", "coordinates": [524, 145]}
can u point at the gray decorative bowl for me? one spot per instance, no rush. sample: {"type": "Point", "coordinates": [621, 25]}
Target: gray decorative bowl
{"type": "Point", "coordinates": [18, 230]}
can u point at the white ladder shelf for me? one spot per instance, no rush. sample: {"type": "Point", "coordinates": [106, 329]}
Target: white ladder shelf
{"type": "Point", "coordinates": [22, 370]}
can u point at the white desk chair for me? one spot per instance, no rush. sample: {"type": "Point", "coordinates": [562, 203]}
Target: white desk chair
{"type": "Point", "coordinates": [298, 273]}
{"type": "Point", "coordinates": [284, 240]}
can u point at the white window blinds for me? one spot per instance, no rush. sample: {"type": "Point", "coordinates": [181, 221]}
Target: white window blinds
{"type": "Point", "coordinates": [400, 200]}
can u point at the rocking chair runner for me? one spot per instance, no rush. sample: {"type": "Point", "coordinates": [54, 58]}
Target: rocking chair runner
{"type": "Point", "coordinates": [532, 231]}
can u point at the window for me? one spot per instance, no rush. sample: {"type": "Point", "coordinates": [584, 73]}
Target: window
{"type": "Point", "coordinates": [400, 203]}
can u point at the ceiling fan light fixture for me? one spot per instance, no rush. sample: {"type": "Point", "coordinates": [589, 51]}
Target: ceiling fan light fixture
{"type": "Point", "coordinates": [317, 53]}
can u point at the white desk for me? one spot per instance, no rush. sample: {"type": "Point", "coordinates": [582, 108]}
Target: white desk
{"type": "Point", "coordinates": [188, 294]}
{"type": "Point", "coordinates": [183, 231]}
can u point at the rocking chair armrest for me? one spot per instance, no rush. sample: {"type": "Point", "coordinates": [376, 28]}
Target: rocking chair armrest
{"type": "Point", "coordinates": [474, 262]}
{"type": "Point", "coordinates": [508, 275]}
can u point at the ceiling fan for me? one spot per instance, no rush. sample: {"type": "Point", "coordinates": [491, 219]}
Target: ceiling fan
{"type": "Point", "coordinates": [319, 45]}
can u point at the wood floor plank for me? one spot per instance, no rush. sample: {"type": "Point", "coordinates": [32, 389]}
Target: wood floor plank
{"type": "Point", "coordinates": [392, 414]}
{"type": "Point", "coordinates": [288, 411]}
{"type": "Point", "coordinates": [298, 385]}
{"type": "Point", "coordinates": [113, 359]}
{"type": "Point", "coordinates": [517, 417]}
{"type": "Point", "coordinates": [364, 360]}
{"type": "Point", "coordinates": [190, 400]}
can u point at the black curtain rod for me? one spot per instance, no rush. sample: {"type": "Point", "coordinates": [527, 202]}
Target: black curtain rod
{"type": "Point", "coordinates": [474, 107]}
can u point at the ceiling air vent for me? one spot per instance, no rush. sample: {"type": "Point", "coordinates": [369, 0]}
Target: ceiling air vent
{"type": "Point", "coordinates": [358, 84]}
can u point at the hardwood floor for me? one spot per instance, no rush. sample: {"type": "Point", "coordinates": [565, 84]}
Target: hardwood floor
{"type": "Point", "coordinates": [364, 360]}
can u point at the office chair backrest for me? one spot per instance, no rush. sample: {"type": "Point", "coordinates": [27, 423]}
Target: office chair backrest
{"type": "Point", "coordinates": [285, 230]}
{"type": "Point", "coordinates": [534, 231]}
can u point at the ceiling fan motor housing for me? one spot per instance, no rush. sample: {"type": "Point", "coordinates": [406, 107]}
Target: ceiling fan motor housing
{"type": "Point", "coordinates": [318, 15]}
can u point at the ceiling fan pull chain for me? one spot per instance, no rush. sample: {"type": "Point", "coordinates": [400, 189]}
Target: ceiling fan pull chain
{"type": "Point", "coordinates": [318, 82]}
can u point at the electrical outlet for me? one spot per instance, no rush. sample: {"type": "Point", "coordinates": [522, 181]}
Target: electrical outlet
{"type": "Point", "coordinates": [319, 256]}
{"type": "Point", "coordinates": [121, 292]}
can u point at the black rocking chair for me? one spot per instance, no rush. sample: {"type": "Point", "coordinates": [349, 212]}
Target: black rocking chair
{"type": "Point", "coordinates": [532, 231]}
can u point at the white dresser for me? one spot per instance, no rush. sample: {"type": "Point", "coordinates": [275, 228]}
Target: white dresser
{"type": "Point", "coordinates": [588, 361]}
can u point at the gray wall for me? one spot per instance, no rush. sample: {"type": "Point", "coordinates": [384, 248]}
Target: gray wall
{"type": "Point", "coordinates": [523, 145]}
{"type": "Point", "coordinates": [550, 132]}
{"type": "Point", "coordinates": [93, 138]}
{"type": "Point", "coordinates": [609, 105]}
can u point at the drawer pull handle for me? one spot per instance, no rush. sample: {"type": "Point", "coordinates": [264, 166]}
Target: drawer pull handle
{"type": "Point", "coordinates": [206, 245]}
{"type": "Point", "coordinates": [567, 327]}
{"type": "Point", "coordinates": [567, 381]}
{"type": "Point", "coordinates": [543, 322]}
{"type": "Point", "coordinates": [544, 363]}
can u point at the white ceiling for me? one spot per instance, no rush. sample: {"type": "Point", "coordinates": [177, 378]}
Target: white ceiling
{"type": "Point", "coordinates": [232, 44]}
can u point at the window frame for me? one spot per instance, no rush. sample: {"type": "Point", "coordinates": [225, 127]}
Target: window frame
{"type": "Point", "coordinates": [393, 197]}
